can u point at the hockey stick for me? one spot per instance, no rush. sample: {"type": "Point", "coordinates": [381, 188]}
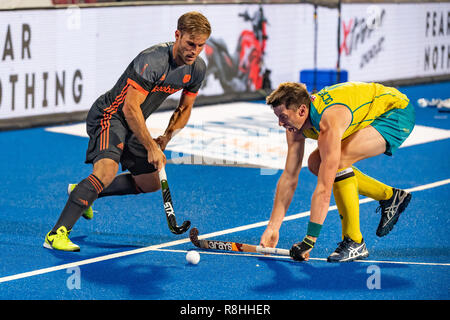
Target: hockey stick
{"type": "Point", "coordinates": [168, 206]}
{"type": "Point", "coordinates": [232, 246]}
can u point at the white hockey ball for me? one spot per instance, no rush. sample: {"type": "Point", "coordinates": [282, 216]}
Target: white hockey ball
{"type": "Point", "coordinates": [193, 257]}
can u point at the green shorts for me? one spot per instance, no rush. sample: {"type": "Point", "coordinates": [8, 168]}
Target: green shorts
{"type": "Point", "coordinates": [395, 126]}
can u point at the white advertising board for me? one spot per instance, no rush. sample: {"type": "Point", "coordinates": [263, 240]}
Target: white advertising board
{"type": "Point", "coordinates": [61, 60]}
{"type": "Point", "coordinates": [395, 41]}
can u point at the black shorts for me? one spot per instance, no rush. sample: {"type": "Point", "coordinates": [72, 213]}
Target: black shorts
{"type": "Point", "coordinates": [109, 137]}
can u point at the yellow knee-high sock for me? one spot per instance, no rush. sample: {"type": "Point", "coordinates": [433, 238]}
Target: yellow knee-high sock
{"type": "Point", "coordinates": [345, 190]}
{"type": "Point", "coordinates": [372, 188]}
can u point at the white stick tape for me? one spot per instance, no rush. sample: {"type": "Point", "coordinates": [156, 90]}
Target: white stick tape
{"type": "Point", "coordinates": [162, 174]}
{"type": "Point", "coordinates": [282, 252]}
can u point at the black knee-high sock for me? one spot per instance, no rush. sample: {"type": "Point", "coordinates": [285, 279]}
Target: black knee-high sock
{"type": "Point", "coordinates": [81, 198]}
{"type": "Point", "coordinates": [123, 184]}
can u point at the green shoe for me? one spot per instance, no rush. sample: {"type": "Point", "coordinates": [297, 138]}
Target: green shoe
{"type": "Point", "coordinates": [88, 214]}
{"type": "Point", "coordinates": [60, 241]}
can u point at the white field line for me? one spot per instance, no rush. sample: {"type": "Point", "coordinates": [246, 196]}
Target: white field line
{"type": "Point", "coordinates": [208, 235]}
{"type": "Point", "coordinates": [313, 259]}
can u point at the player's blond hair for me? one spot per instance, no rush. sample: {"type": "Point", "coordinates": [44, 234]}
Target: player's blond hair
{"type": "Point", "coordinates": [194, 22]}
{"type": "Point", "coordinates": [291, 94]}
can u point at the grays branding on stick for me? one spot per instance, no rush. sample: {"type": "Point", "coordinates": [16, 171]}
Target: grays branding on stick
{"type": "Point", "coordinates": [168, 206]}
{"type": "Point", "coordinates": [232, 246]}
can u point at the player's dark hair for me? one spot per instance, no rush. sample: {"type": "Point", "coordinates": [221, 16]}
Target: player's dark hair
{"type": "Point", "coordinates": [195, 23]}
{"type": "Point", "coordinates": [291, 94]}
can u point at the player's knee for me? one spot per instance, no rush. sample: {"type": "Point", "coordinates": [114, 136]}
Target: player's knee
{"type": "Point", "coordinates": [348, 157]}
{"type": "Point", "coordinates": [147, 183]}
{"type": "Point", "coordinates": [105, 170]}
{"type": "Point", "coordinates": [314, 163]}
{"type": "Point", "coordinates": [149, 188]}
{"type": "Point", "coordinates": [313, 167]}
{"type": "Point", "coordinates": [345, 161]}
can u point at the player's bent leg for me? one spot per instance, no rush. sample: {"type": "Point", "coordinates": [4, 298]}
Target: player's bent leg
{"type": "Point", "coordinates": [366, 143]}
{"type": "Point", "coordinates": [372, 188]}
{"type": "Point", "coordinates": [145, 175]}
{"type": "Point", "coordinates": [80, 199]}
{"type": "Point", "coordinates": [88, 214]}
{"type": "Point", "coordinates": [148, 182]}
{"type": "Point", "coordinates": [105, 169]}
{"type": "Point", "coordinates": [345, 191]}
{"type": "Point", "coordinates": [363, 144]}
{"type": "Point", "coordinates": [123, 184]}
{"type": "Point", "coordinates": [118, 186]}
{"type": "Point", "coordinates": [314, 162]}
{"type": "Point", "coordinates": [367, 186]}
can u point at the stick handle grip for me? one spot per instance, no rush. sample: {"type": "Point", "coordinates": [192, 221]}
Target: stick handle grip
{"type": "Point", "coordinates": [162, 174]}
{"type": "Point", "coordinates": [278, 251]}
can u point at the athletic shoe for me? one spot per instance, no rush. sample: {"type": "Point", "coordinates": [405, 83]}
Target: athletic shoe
{"type": "Point", "coordinates": [89, 212]}
{"type": "Point", "coordinates": [391, 210]}
{"type": "Point", "coordinates": [60, 241]}
{"type": "Point", "coordinates": [349, 250]}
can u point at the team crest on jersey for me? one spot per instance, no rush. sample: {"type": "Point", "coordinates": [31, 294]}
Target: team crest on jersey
{"type": "Point", "coordinates": [186, 78]}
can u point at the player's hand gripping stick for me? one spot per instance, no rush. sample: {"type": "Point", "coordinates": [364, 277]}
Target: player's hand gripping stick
{"type": "Point", "coordinates": [232, 246]}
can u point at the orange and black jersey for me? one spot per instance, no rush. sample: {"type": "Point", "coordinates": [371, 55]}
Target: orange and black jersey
{"type": "Point", "coordinates": [155, 73]}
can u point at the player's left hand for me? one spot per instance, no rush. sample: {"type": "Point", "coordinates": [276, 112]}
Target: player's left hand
{"type": "Point", "coordinates": [300, 251]}
{"type": "Point", "coordinates": [269, 238]}
{"type": "Point", "coordinates": [162, 141]}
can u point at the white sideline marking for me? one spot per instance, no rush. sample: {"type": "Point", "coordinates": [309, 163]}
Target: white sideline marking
{"type": "Point", "coordinates": [212, 234]}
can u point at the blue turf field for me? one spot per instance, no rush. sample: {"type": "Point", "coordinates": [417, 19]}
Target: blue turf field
{"type": "Point", "coordinates": [129, 253]}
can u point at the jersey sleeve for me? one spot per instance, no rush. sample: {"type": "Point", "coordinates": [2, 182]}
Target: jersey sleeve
{"type": "Point", "coordinates": [144, 71]}
{"type": "Point", "coordinates": [198, 75]}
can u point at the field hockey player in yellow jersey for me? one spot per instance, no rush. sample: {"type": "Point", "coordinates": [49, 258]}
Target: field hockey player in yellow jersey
{"type": "Point", "coordinates": [352, 121]}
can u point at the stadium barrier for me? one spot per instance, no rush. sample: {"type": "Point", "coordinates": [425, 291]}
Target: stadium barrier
{"type": "Point", "coordinates": [56, 60]}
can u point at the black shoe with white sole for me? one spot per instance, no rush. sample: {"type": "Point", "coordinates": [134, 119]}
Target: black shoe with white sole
{"type": "Point", "coordinates": [349, 250]}
{"type": "Point", "coordinates": [391, 210]}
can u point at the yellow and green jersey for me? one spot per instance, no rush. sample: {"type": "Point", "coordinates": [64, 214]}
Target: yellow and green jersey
{"type": "Point", "coordinates": [366, 102]}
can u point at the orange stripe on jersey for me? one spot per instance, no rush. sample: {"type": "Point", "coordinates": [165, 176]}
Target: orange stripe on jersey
{"type": "Point", "coordinates": [135, 85]}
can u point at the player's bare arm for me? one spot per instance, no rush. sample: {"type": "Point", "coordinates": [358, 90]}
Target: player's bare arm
{"type": "Point", "coordinates": [178, 121]}
{"type": "Point", "coordinates": [285, 187]}
{"type": "Point", "coordinates": [335, 120]}
{"type": "Point", "coordinates": [136, 122]}
{"type": "Point", "coordinates": [333, 124]}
